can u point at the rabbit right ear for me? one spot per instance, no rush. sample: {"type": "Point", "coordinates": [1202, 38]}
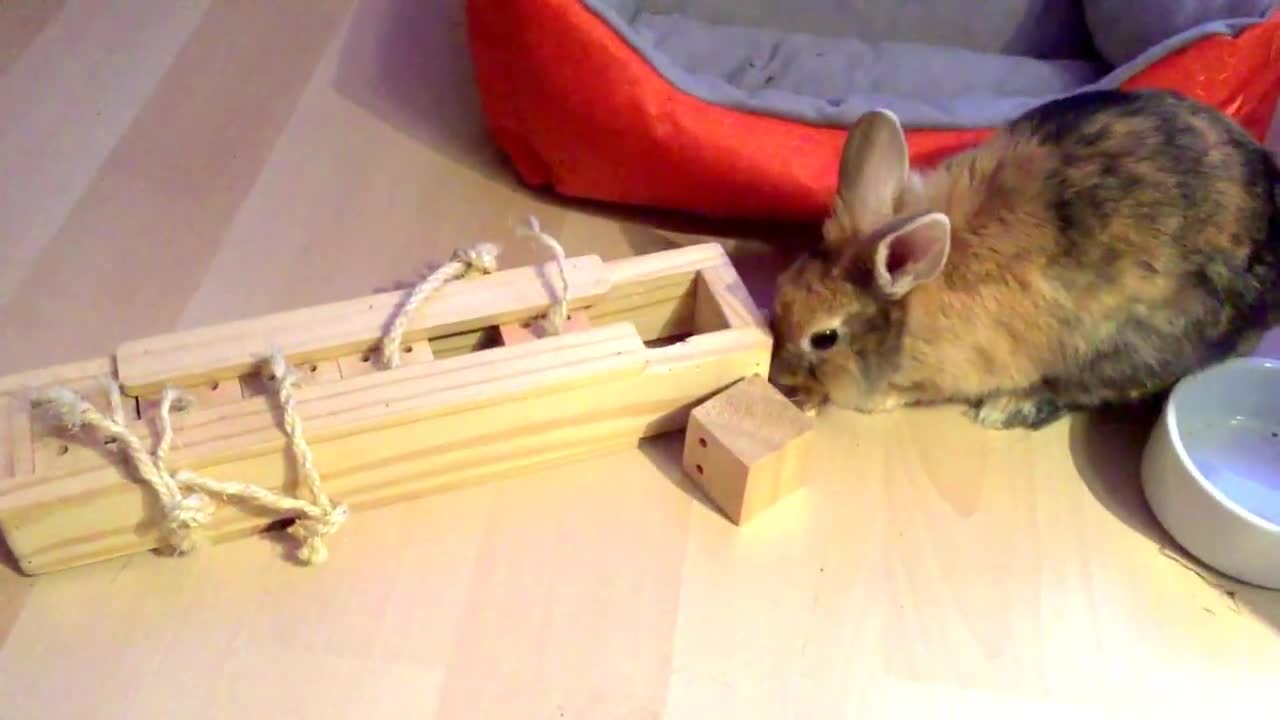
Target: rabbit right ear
{"type": "Point", "coordinates": [874, 167]}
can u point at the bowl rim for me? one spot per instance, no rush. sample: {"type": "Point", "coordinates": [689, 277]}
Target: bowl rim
{"type": "Point", "coordinates": [1170, 420]}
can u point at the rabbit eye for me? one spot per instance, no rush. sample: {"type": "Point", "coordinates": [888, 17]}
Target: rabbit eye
{"type": "Point", "coordinates": [824, 339]}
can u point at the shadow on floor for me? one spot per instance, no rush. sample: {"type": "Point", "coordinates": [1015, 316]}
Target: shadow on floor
{"type": "Point", "coordinates": [1106, 447]}
{"type": "Point", "coordinates": [665, 452]}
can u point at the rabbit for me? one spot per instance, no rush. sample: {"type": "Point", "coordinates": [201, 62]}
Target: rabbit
{"type": "Point", "coordinates": [1091, 252]}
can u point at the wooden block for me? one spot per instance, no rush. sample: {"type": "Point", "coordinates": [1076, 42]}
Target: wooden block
{"type": "Point", "coordinates": [528, 330]}
{"type": "Point", "coordinates": [745, 448]}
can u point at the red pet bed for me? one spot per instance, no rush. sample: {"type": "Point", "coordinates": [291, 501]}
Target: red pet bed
{"type": "Point", "coordinates": [583, 106]}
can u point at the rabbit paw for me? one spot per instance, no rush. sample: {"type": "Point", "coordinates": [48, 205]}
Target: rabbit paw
{"type": "Point", "coordinates": [882, 404]}
{"type": "Point", "coordinates": [1009, 412]}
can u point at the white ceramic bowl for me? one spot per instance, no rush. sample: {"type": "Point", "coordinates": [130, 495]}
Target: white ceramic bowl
{"type": "Point", "coordinates": [1211, 469]}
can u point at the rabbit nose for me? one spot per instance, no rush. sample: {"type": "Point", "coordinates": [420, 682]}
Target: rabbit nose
{"type": "Point", "coordinates": [788, 365]}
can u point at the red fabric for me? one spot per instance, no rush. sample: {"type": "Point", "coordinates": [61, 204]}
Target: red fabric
{"type": "Point", "coordinates": [579, 111]}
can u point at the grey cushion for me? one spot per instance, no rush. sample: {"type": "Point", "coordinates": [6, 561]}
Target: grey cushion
{"type": "Point", "coordinates": [935, 63]}
{"type": "Point", "coordinates": [1033, 28]}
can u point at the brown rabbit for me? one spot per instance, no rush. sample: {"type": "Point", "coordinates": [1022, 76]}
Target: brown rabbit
{"type": "Point", "coordinates": [1094, 251]}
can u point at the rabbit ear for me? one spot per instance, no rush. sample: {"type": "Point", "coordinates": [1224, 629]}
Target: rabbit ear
{"type": "Point", "coordinates": [913, 252]}
{"type": "Point", "coordinates": [873, 170]}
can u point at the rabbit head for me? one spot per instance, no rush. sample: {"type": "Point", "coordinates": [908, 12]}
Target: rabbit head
{"type": "Point", "coordinates": [840, 310]}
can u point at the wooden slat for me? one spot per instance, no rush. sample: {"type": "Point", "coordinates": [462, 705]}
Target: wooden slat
{"type": "Point", "coordinates": [655, 292]}
{"type": "Point", "coordinates": [475, 431]}
{"type": "Point", "coordinates": [371, 402]}
{"type": "Point", "coordinates": [44, 377]}
{"type": "Point", "coordinates": [352, 326]}
{"type": "Point", "coordinates": [632, 273]}
{"type": "Point", "coordinates": [251, 426]}
{"type": "Point", "coordinates": [370, 361]}
{"type": "Point", "coordinates": [204, 395]}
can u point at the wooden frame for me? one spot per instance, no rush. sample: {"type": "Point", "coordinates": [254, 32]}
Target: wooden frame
{"type": "Point", "coordinates": [666, 332]}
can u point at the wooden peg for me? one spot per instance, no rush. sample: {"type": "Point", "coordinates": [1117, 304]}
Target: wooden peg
{"type": "Point", "coordinates": [517, 332]}
{"type": "Point", "coordinates": [744, 448]}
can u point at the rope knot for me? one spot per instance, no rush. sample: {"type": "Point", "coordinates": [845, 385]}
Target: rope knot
{"type": "Point", "coordinates": [312, 531]}
{"type": "Point", "coordinates": [278, 370]}
{"type": "Point", "coordinates": [482, 258]}
{"type": "Point", "coordinates": [62, 406]}
{"type": "Point", "coordinates": [184, 516]}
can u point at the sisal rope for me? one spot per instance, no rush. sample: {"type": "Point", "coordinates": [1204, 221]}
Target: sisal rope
{"type": "Point", "coordinates": [186, 496]}
{"type": "Point", "coordinates": [559, 312]}
{"type": "Point", "coordinates": [481, 259]}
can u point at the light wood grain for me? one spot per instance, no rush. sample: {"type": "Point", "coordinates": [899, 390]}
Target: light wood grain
{"type": "Point", "coordinates": [746, 448]}
{"type": "Point", "coordinates": [171, 165]}
{"type": "Point", "coordinates": [308, 335]}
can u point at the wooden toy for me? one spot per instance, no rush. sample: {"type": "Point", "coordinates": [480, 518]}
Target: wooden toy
{"type": "Point", "coordinates": [435, 401]}
{"type": "Point", "coordinates": [745, 448]}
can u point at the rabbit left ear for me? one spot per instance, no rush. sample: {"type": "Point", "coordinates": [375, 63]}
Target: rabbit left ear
{"type": "Point", "coordinates": [874, 166]}
{"type": "Point", "coordinates": [913, 252]}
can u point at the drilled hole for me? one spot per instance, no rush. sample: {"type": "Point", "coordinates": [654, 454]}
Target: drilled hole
{"type": "Point", "coordinates": [366, 357]}
{"type": "Point", "coordinates": [214, 386]}
{"type": "Point", "coordinates": [279, 525]}
{"type": "Point", "coordinates": [698, 468]}
{"type": "Point", "coordinates": [408, 348]}
{"type": "Point", "coordinates": [64, 449]}
{"type": "Point", "coordinates": [313, 367]}
{"type": "Point", "coordinates": [702, 442]}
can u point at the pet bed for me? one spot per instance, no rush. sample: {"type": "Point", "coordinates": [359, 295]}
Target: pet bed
{"type": "Point", "coordinates": [735, 108]}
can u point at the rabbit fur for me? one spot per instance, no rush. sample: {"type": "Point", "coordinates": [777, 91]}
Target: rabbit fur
{"type": "Point", "coordinates": [1094, 251]}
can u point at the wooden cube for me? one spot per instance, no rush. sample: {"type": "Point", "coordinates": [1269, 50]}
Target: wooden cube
{"type": "Point", "coordinates": [745, 448]}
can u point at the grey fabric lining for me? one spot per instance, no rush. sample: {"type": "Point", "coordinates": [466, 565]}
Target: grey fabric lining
{"type": "Point", "coordinates": [825, 62]}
